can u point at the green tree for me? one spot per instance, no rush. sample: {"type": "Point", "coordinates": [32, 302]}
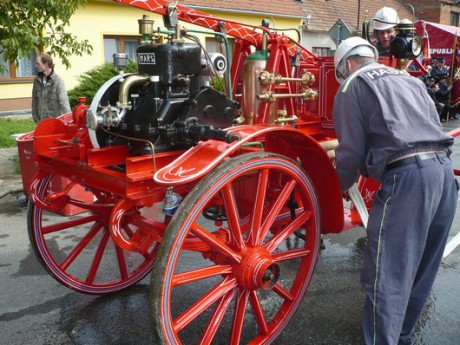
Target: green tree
{"type": "Point", "coordinates": [28, 25]}
{"type": "Point", "coordinates": [90, 81]}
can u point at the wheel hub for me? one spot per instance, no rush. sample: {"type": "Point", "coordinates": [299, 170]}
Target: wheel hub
{"type": "Point", "coordinates": [258, 270]}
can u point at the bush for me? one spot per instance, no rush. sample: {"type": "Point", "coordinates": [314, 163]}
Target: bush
{"type": "Point", "coordinates": [92, 80]}
{"type": "Point", "coordinates": [218, 83]}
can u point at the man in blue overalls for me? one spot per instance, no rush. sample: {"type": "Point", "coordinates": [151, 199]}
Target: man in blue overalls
{"type": "Point", "coordinates": [388, 128]}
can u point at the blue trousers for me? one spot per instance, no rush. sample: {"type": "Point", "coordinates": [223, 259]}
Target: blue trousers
{"type": "Point", "coordinates": [407, 231]}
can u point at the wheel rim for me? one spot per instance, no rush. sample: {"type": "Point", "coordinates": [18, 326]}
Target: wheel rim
{"type": "Point", "coordinates": [246, 269]}
{"type": "Point", "coordinates": [77, 250]}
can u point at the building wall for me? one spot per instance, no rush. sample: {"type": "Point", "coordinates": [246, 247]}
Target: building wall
{"type": "Point", "coordinates": [435, 11]}
{"type": "Point", "coordinates": [311, 39]}
{"type": "Point", "coordinates": [101, 18]}
{"type": "Point", "coordinates": [445, 13]}
{"type": "Point", "coordinates": [323, 15]}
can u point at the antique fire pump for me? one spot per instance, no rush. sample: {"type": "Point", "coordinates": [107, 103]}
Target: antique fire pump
{"type": "Point", "coordinates": [215, 172]}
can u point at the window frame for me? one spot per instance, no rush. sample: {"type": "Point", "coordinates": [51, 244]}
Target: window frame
{"type": "Point", "coordinates": [454, 18]}
{"type": "Point", "coordinates": [319, 51]}
{"type": "Point", "coordinates": [121, 39]}
{"type": "Point", "coordinates": [12, 78]}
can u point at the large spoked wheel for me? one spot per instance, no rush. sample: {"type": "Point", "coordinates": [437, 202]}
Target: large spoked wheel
{"type": "Point", "coordinates": [78, 251]}
{"type": "Point", "coordinates": [230, 266]}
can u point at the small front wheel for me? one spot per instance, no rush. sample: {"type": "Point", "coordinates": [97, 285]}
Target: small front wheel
{"type": "Point", "coordinates": [77, 249]}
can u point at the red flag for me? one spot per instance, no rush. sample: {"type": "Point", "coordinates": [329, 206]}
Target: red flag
{"type": "Point", "coordinates": [454, 96]}
{"type": "Point", "coordinates": [426, 43]}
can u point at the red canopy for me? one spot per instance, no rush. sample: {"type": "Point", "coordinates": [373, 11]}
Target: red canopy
{"type": "Point", "coordinates": [441, 38]}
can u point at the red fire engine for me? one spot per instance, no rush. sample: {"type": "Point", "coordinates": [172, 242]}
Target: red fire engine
{"type": "Point", "coordinates": [223, 190]}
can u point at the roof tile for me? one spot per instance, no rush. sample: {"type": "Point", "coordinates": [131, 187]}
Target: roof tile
{"type": "Point", "coordinates": [284, 7]}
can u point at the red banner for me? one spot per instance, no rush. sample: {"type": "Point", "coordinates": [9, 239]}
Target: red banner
{"type": "Point", "coordinates": [441, 38]}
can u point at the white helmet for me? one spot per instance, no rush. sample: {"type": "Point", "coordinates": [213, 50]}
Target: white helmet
{"type": "Point", "coordinates": [350, 47]}
{"type": "Point", "coordinates": [385, 18]}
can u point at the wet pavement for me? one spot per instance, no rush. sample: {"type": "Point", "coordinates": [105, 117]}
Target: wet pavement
{"type": "Point", "coordinates": [36, 309]}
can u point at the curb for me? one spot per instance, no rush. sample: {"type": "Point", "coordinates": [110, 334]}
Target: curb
{"type": "Point", "coordinates": [23, 112]}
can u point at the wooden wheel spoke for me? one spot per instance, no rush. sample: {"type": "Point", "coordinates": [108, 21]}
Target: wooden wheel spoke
{"type": "Point", "coordinates": [257, 213]}
{"type": "Point", "coordinates": [281, 291]}
{"type": "Point", "coordinates": [128, 230]}
{"type": "Point", "coordinates": [200, 274]}
{"type": "Point", "coordinates": [216, 318]}
{"type": "Point", "coordinates": [203, 303]}
{"type": "Point", "coordinates": [69, 224]}
{"type": "Point", "coordinates": [232, 216]}
{"type": "Point", "coordinates": [238, 316]}
{"type": "Point", "coordinates": [291, 254]}
{"type": "Point", "coordinates": [215, 243]}
{"type": "Point", "coordinates": [121, 263]}
{"type": "Point", "coordinates": [80, 246]}
{"type": "Point", "coordinates": [97, 257]}
{"type": "Point", "coordinates": [274, 242]}
{"type": "Point", "coordinates": [275, 210]}
{"type": "Point", "coordinates": [258, 312]}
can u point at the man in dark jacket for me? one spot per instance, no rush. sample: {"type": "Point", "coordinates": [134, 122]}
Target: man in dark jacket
{"type": "Point", "coordinates": [49, 95]}
{"type": "Point", "coordinates": [439, 68]}
{"type": "Point", "coordinates": [388, 128]}
{"type": "Point", "coordinates": [442, 95]}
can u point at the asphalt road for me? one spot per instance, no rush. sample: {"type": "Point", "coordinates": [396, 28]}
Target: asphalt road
{"type": "Point", "coordinates": [35, 309]}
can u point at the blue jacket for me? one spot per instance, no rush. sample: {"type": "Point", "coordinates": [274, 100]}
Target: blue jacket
{"type": "Point", "coordinates": [380, 114]}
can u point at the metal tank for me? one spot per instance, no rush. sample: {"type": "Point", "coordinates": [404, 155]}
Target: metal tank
{"type": "Point", "coordinates": [255, 64]}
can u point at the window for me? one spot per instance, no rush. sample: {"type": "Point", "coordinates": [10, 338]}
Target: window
{"type": "Point", "coordinates": [454, 18]}
{"type": "Point", "coordinates": [23, 69]}
{"type": "Point", "coordinates": [119, 44]}
{"type": "Point", "coordinates": [322, 51]}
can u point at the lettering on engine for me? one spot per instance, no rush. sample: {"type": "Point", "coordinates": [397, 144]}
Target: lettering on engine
{"type": "Point", "coordinates": [146, 58]}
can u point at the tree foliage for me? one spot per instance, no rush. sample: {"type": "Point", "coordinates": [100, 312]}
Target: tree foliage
{"type": "Point", "coordinates": [90, 81]}
{"type": "Point", "coordinates": [39, 25]}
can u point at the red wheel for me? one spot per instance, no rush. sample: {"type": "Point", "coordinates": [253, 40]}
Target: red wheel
{"type": "Point", "coordinates": [238, 277]}
{"type": "Point", "coordinates": [78, 251]}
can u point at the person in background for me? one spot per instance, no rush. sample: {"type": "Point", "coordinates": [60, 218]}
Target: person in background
{"type": "Point", "coordinates": [388, 128]}
{"type": "Point", "coordinates": [49, 95]}
{"type": "Point", "coordinates": [439, 68]}
{"type": "Point", "coordinates": [385, 21]}
{"type": "Point", "coordinates": [442, 96]}
{"type": "Point", "coordinates": [432, 90]}
{"type": "Point", "coordinates": [429, 81]}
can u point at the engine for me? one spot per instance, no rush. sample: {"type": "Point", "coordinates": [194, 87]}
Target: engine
{"type": "Point", "coordinates": [168, 103]}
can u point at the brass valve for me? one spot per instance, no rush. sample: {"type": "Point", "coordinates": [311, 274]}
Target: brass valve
{"type": "Point", "coordinates": [308, 94]}
{"type": "Point", "coordinates": [282, 117]}
{"type": "Point", "coordinates": [267, 78]}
